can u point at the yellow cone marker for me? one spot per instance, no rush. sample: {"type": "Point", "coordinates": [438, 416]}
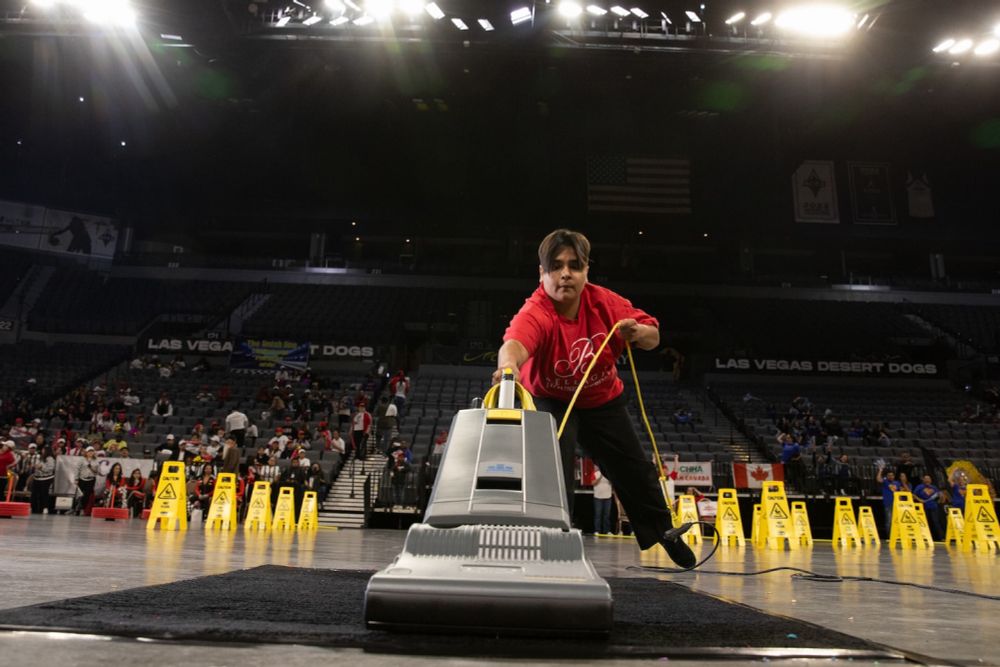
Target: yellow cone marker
{"type": "Point", "coordinates": [800, 522]}
{"type": "Point", "coordinates": [689, 512]}
{"type": "Point", "coordinates": [284, 510]}
{"type": "Point", "coordinates": [906, 528]}
{"type": "Point", "coordinates": [956, 527]}
{"type": "Point", "coordinates": [868, 527]}
{"type": "Point", "coordinates": [309, 514]}
{"type": "Point", "coordinates": [777, 519]}
{"type": "Point", "coordinates": [170, 503]}
{"type": "Point", "coordinates": [845, 528]}
{"type": "Point", "coordinates": [728, 523]}
{"type": "Point", "coordinates": [222, 511]}
{"type": "Point", "coordinates": [758, 536]}
{"type": "Point", "coordinates": [980, 520]}
{"type": "Point", "coordinates": [259, 512]}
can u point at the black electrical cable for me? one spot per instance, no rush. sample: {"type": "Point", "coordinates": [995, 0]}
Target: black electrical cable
{"type": "Point", "coordinates": [804, 575]}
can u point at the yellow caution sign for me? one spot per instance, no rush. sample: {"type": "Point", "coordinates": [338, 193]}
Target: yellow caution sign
{"type": "Point", "coordinates": [284, 510]}
{"type": "Point", "coordinates": [728, 523]}
{"type": "Point", "coordinates": [845, 528]}
{"type": "Point", "coordinates": [259, 511]}
{"type": "Point", "coordinates": [800, 522]}
{"type": "Point", "coordinates": [170, 502]}
{"type": "Point", "coordinates": [907, 531]}
{"type": "Point", "coordinates": [922, 518]}
{"type": "Point", "coordinates": [222, 511]}
{"type": "Point", "coordinates": [776, 524]}
{"type": "Point", "coordinates": [980, 520]}
{"type": "Point", "coordinates": [688, 511]}
{"type": "Point", "coordinates": [309, 514]}
{"type": "Point", "coordinates": [956, 527]}
{"type": "Point", "coordinates": [757, 535]}
{"type": "Point", "coordinates": [868, 527]}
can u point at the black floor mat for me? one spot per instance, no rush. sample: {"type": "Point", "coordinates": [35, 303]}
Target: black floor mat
{"type": "Point", "coordinates": [273, 604]}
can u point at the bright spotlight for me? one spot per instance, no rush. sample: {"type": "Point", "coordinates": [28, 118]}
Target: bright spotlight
{"type": "Point", "coordinates": [434, 11]}
{"type": "Point", "coordinates": [378, 9]}
{"type": "Point", "coordinates": [312, 20]}
{"type": "Point", "coordinates": [460, 24]}
{"type": "Point", "coordinates": [996, 30]}
{"type": "Point", "coordinates": [411, 8]}
{"type": "Point", "coordinates": [816, 20]}
{"type": "Point", "coordinates": [761, 19]}
{"type": "Point", "coordinates": [639, 13]}
{"type": "Point", "coordinates": [620, 11]}
{"type": "Point", "coordinates": [960, 47]}
{"type": "Point", "coordinates": [353, 5]}
{"type": "Point", "coordinates": [692, 17]}
{"type": "Point", "coordinates": [486, 25]}
{"type": "Point", "coordinates": [570, 9]}
{"type": "Point", "coordinates": [110, 13]}
{"type": "Point", "coordinates": [596, 11]}
{"type": "Point", "coordinates": [363, 20]}
{"type": "Point", "coordinates": [736, 18]}
{"type": "Point", "coordinates": [987, 47]}
{"type": "Point", "coordinates": [340, 20]}
{"type": "Point", "coordinates": [335, 5]}
{"type": "Point", "coordinates": [44, 4]}
{"type": "Point", "coordinates": [520, 15]}
{"type": "Point", "coordinates": [944, 46]}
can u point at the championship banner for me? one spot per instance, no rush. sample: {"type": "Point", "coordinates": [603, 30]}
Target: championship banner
{"type": "Point", "coordinates": [919, 198]}
{"type": "Point", "coordinates": [814, 190]}
{"type": "Point", "coordinates": [871, 193]}
{"type": "Point", "coordinates": [824, 367]}
{"type": "Point", "coordinates": [755, 475]}
{"type": "Point", "coordinates": [21, 224]}
{"type": "Point", "coordinates": [267, 355]}
{"type": "Point", "coordinates": [37, 228]}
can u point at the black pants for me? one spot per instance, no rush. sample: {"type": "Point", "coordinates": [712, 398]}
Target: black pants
{"type": "Point", "coordinates": [40, 498]}
{"type": "Point", "coordinates": [238, 435]}
{"type": "Point", "coordinates": [606, 435]}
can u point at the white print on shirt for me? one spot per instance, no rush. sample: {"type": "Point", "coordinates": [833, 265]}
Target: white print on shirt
{"type": "Point", "coordinates": [581, 351]}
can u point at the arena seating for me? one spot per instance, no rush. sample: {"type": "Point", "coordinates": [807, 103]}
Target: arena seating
{"type": "Point", "coordinates": [79, 301]}
{"type": "Point", "coordinates": [13, 267]}
{"type": "Point", "coordinates": [977, 325]}
{"type": "Point", "coordinates": [54, 368]}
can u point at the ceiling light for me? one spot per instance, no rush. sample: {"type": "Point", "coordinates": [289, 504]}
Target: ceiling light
{"type": "Point", "coordinates": [335, 5]}
{"type": "Point", "coordinates": [960, 47]}
{"type": "Point", "coordinates": [641, 14]}
{"type": "Point", "coordinates": [460, 24]}
{"type": "Point", "coordinates": [987, 47]}
{"type": "Point", "coordinates": [596, 11]}
{"type": "Point", "coordinates": [666, 18]}
{"type": "Point", "coordinates": [570, 9]}
{"type": "Point", "coordinates": [520, 15]}
{"type": "Point", "coordinates": [340, 20]}
{"type": "Point", "coordinates": [863, 21]}
{"type": "Point", "coordinates": [761, 19]}
{"type": "Point", "coordinates": [944, 46]}
{"type": "Point", "coordinates": [485, 25]}
{"type": "Point", "coordinates": [434, 11]}
{"type": "Point", "coordinates": [353, 5]}
{"type": "Point", "coordinates": [694, 18]}
{"type": "Point", "coordinates": [283, 21]}
{"type": "Point", "coordinates": [378, 9]}
{"type": "Point", "coordinates": [620, 11]}
{"type": "Point", "coordinates": [736, 18]}
{"type": "Point", "coordinates": [312, 20]}
{"type": "Point", "coordinates": [816, 20]}
{"type": "Point", "coordinates": [363, 20]}
{"type": "Point", "coordinates": [411, 8]}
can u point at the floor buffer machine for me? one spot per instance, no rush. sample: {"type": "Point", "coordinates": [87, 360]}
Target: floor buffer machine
{"type": "Point", "coordinates": [496, 551]}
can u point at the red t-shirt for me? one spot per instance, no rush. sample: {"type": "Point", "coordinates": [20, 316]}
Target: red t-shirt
{"type": "Point", "coordinates": [561, 349]}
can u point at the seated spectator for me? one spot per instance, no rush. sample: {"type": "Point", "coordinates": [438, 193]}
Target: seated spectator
{"type": "Point", "coordinates": [204, 395]}
{"type": "Point", "coordinates": [279, 441]}
{"type": "Point", "coordinates": [163, 408]}
{"type": "Point", "coordinates": [202, 496]}
{"type": "Point", "coordinates": [114, 444]}
{"type": "Point", "coordinates": [114, 488]}
{"type": "Point", "coordinates": [337, 443]}
{"type": "Point", "coordinates": [845, 482]}
{"type": "Point", "coordinates": [270, 472]}
{"type": "Point", "coordinates": [139, 427]}
{"type": "Point", "coordinates": [316, 481]}
{"type": "Point", "coordinates": [201, 366]}
{"type": "Point", "coordinates": [129, 399]}
{"type": "Point", "coordinates": [135, 492]}
{"type": "Point", "coordinates": [682, 417]}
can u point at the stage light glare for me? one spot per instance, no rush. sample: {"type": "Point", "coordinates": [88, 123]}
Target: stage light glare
{"type": "Point", "coordinates": [863, 21]}
{"type": "Point", "coordinates": [824, 21]}
{"type": "Point", "coordinates": [619, 11]}
{"type": "Point", "coordinates": [123, 144]}
{"type": "Point", "coordinates": [312, 20]}
{"type": "Point", "coordinates": [520, 15]}
{"type": "Point", "coordinates": [335, 5]}
{"type": "Point", "coordinates": [761, 19]}
{"type": "Point", "coordinates": [363, 20]}
{"type": "Point", "coordinates": [340, 20]}
{"type": "Point", "coordinates": [353, 5]}
{"type": "Point", "coordinates": [379, 10]}
{"type": "Point", "coordinates": [596, 11]}
{"type": "Point", "coordinates": [460, 24]}
{"type": "Point", "coordinates": [116, 13]}
{"type": "Point", "coordinates": [570, 9]}
{"type": "Point", "coordinates": [960, 47]}
{"type": "Point", "coordinates": [81, 98]}
{"type": "Point", "coordinates": [412, 8]}
{"type": "Point", "coordinates": [996, 30]}
{"type": "Point", "coordinates": [987, 47]}
{"type": "Point", "coordinates": [43, 4]}
{"type": "Point", "coordinates": [640, 13]}
{"type": "Point", "coordinates": [944, 46]}
{"type": "Point", "coordinates": [486, 25]}
{"type": "Point", "coordinates": [693, 17]}
{"type": "Point", "coordinates": [666, 18]}
{"type": "Point", "coordinates": [434, 11]}
{"type": "Point", "coordinates": [736, 18]}
{"type": "Point", "coordinates": [283, 21]}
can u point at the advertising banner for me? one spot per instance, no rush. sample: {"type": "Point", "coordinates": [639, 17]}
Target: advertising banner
{"type": "Point", "coordinates": [823, 367]}
{"type": "Point", "coordinates": [255, 354]}
{"type": "Point", "coordinates": [871, 193]}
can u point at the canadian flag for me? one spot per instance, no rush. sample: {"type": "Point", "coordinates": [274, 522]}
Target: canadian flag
{"type": "Point", "coordinates": [753, 475]}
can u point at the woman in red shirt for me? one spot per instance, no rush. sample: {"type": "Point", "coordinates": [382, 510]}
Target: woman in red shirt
{"type": "Point", "coordinates": [549, 344]}
{"type": "Point", "coordinates": [135, 492]}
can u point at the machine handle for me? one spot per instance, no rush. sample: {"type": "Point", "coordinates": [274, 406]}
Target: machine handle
{"type": "Point", "coordinates": [507, 390]}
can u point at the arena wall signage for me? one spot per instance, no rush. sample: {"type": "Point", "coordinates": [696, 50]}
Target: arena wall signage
{"type": "Point", "coordinates": [814, 191]}
{"type": "Point", "coordinates": [691, 473]}
{"type": "Point", "coordinates": [332, 351]}
{"type": "Point", "coordinates": [48, 230]}
{"type": "Point", "coordinates": [825, 367]}
{"type": "Point", "coordinates": [256, 354]}
{"type": "Point", "coordinates": [202, 346]}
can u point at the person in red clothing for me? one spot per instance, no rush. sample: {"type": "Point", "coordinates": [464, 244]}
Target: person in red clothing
{"type": "Point", "coordinates": [135, 492]}
{"type": "Point", "coordinates": [549, 344]}
{"type": "Point", "coordinates": [7, 461]}
{"type": "Point", "coordinates": [114, 487]}
{"type": "Point", "coordinates": [362, 425]}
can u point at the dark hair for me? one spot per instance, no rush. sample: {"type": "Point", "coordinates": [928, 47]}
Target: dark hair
{"type": "Point", "coordinates": [132, 474]}
{"type": "Point", "coordinates": [121, 473]}
{"type": "Point", "coordinates": [563, 238]}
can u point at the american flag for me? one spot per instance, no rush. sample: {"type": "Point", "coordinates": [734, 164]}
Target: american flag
{"type": "Point", "coordinates": [619, 184]}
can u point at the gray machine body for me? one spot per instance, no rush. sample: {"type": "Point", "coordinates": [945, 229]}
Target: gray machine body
{"type": "Point", "coordinates": [496, 551]}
